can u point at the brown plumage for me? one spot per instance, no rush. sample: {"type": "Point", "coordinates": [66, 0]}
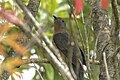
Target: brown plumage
{"type": "Point", "coordinates": [61, 39]}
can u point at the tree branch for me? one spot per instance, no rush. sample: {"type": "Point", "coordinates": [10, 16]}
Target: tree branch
{"type": "Point", "coordinates": [47, 45]}
{"type": "Point", "coordinates": [32, 6]}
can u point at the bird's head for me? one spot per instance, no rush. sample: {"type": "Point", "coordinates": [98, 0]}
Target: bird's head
{"type": "Point", "coordinates": [59, 24]}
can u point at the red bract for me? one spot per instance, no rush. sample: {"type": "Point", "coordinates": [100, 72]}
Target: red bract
{"type": "Point", "coordinates": [104, 4]}
{"type": "Point", "coordinates": [78, 6]}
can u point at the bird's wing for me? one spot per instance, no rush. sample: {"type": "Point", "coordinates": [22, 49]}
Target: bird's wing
{"type": "Point", "coordinates": [61, 41]}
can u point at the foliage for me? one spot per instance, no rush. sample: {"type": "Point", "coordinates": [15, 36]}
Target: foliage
{"type": "Point", "coordinates": [10, 33]}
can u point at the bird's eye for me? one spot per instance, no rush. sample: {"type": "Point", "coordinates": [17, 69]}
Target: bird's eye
{"type": "Point", "coordinates": [62, 20]}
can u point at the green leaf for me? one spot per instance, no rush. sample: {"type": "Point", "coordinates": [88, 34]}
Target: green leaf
{"type": "Point", "coordinates": [49, 72]}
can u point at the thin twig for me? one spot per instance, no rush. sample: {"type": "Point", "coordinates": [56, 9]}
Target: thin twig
{"type": "Point", "coordinates": [70, 47]}
{"type": "Point", "coordinates": [87, 45]}
{"type": "Point", "coordinates": [35, 60]}
{"type": "Point", "coordinates": [96, 62]}
{"type": "Point", "coordinates": [106, 68]}
{"type": "Point", "coordinates": [41, 77]}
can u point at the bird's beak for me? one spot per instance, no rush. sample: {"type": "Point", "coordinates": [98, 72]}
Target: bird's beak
{"type": "Point", "coordinates": [54, 17]}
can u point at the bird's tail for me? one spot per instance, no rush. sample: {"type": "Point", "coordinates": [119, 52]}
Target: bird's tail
{"type": "Point", "coordinates": [78, 65]}
{"type": "Point", "coordinates": [79, 72]}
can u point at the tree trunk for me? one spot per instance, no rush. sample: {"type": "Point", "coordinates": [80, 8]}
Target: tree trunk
{"type": "Point", "coordinates": [103, 34]}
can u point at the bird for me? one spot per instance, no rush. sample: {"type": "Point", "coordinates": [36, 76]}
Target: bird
{"type": "Point", "coordinates": [60, 36]}
{"type": "Point", "coordinates": [61, 40]}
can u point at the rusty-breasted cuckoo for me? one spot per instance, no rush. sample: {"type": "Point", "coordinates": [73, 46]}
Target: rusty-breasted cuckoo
{"type": "Point", "coordinates": [61, 39]}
